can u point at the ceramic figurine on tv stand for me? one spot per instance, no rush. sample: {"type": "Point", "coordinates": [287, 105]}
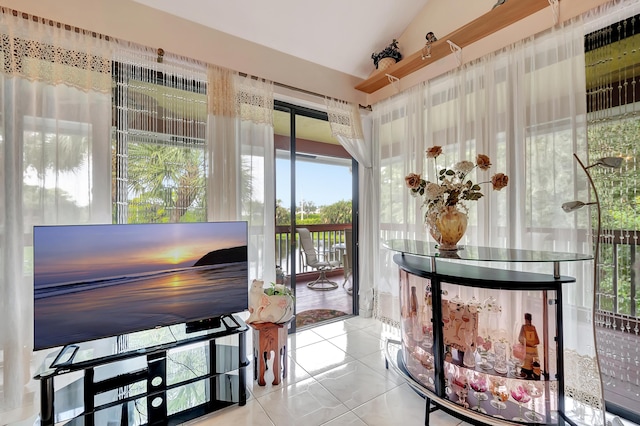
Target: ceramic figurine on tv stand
{"type": "Point", "coordinates": [529, 338]}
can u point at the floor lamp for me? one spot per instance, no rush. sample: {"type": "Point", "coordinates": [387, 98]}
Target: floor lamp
{"type": "Point", "coordinates": [571, 206]}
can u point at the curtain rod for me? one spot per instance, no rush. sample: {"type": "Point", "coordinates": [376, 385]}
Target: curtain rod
{"type": "Point", "coordinates": [52, 23]}
{"type": "Point", "coordinates": [307, 92]}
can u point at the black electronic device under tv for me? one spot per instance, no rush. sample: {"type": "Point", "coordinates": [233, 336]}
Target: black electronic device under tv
{"type": "Point", "coordinates": [97, 281]}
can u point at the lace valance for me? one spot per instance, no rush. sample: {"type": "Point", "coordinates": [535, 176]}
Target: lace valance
{"type": "Point", "coordinates": [344, 119]}
{"type": "Point", "coordinates": [255, 97]}
{"type": "Point", "coordinates": [40, 50]}
{"type": "Point", "coordinates": [221, 92]}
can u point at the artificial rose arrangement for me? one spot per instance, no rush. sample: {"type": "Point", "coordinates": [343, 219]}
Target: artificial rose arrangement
{"type": "Point", "coordinates": [453, 186]}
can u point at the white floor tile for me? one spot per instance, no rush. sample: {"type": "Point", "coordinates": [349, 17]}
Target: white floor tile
{"type": "Point", "coordinates": [399, 406]}
{"type": "Point", "coordinates": [375, 361]}
{"type": "Point", "coordinates": [252, 414]}
{"type": "Point", "coordinates": [304, 403]}
{"type": "Point", "coordinates": [320, 357]}
{"type": "Point", "coordinates": [357, 343]}
{"type": "Point", "coordinates": [347, 419]}
{"type": "Point", "coordinates": [303, 338]}
{"type": "Point", "coordinates": [383, 331]}
{"type": "Point", "coordinates": [335, 329]}
{"type": "Point", "coordinates": [354, 383]}
{"type": "Point", "coordinates": [295, 374]}
{"type": "Point", "coordinates": [361, 322]}
{"type": "Point", "coordinates": [441, 418]}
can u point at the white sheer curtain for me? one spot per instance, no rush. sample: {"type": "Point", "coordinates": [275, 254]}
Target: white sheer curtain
{"type": "Point", "coordinates": [241, 172]}
{"type": "Point", "coordinates": [399, 143]}
{"type": "Point", "coordinates": [56, 169]}
{"type": "Point", "coordinates": [610, 13]}
{"type": "Point", "coordinates": [223, 153]}
{"type": "Point", "coordinates": [257, 165]}
{"type": "Point", "coordinates": [241, 177]}
{"type": "Point", "coordinates": [346, 126]}
{"type": "Point", "coordinates": [524, 107]}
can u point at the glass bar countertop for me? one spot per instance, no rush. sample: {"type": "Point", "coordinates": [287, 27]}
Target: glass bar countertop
{"type": "Point", "coordinates": [489, 254]}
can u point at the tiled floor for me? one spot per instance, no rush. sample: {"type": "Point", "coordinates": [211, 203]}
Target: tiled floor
{"type": "Point", "coordinates": [336, 377]}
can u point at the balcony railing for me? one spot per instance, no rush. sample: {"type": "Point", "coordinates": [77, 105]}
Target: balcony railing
{"type": "Point", "coordinates": [325, 237]}
{"type": "Point", "coordinates": [616, 295]}
{"type": "Point", "coordinates": [617, 325]}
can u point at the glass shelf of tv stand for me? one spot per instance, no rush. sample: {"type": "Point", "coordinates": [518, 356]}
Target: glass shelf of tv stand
{"type": "Point", "coordinates": [95, 352]}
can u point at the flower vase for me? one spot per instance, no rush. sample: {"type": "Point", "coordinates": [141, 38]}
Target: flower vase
{"type": "Point", "coordinates": [275, 308]}
{"type": "Point", "coordinates": [447, 227]}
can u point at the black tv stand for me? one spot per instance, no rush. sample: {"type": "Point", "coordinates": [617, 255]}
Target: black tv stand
{"type": "Point", "coordinates": [65, 356]}
{"type": "Point", "coordinates": [226, 321]}
{"type": "Point", "coordinates": [94, 397]}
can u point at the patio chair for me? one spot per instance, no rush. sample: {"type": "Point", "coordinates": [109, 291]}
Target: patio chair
{"type": "Point", "coordinates": [312, 259]}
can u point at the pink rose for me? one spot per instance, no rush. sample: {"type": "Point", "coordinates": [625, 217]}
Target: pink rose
{"type": "Point", "coordinates": [434, 151]}
{"type": "Point", "coordinates": [483, 162]}
{"type": "Point", "coordinates": [499, 181]}
{"type": "Point", "coordinates": [413, 180]}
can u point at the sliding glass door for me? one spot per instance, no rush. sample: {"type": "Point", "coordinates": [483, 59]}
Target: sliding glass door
{"type": "Point", "coordinates": [315, 177]}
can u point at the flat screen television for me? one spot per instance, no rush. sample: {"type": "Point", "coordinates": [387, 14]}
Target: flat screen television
{"type": "Point", "coordinates": [97, 281]}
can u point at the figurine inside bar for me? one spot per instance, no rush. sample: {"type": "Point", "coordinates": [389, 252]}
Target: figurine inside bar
{"type": "Point", "coordinates": [529, 338]}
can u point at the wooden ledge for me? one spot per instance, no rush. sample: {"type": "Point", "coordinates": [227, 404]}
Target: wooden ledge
{"type": "Point", "coordinates": [496, 19]}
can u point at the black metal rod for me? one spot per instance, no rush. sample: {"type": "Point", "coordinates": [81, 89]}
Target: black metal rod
{"type": "Point", "coordinates": [595, 275]}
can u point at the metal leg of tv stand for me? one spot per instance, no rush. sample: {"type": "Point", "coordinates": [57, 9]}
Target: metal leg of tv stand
{"type": "Point", "coordinates": [46, 401]}
{"type": "Point", "coordinates": [242, 373]}
{"type": "Point", "coordinates": [89, 402]}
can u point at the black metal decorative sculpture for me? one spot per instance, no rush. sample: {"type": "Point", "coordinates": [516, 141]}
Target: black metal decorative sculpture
{"type": "Point", "coordinates": [391, 51]}
{"type": "Point", "coordinates": [426, 50]}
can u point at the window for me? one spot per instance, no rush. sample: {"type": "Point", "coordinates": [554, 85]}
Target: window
{"type": "Point", "coordinates": [613, 96]}
{"type": "Point", "coordinates": [158, 147]}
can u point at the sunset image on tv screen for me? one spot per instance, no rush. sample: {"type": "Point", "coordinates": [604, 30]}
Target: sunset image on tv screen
{"type": "Point", "coordinates": [92, 281]}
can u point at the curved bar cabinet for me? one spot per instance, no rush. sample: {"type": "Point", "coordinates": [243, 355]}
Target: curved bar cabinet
{"type": "Point", "coordinates": [457, 350]}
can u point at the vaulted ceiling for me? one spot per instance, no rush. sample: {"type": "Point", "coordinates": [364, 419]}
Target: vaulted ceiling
{"type": "Point", "coordinates": [338, 34]}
